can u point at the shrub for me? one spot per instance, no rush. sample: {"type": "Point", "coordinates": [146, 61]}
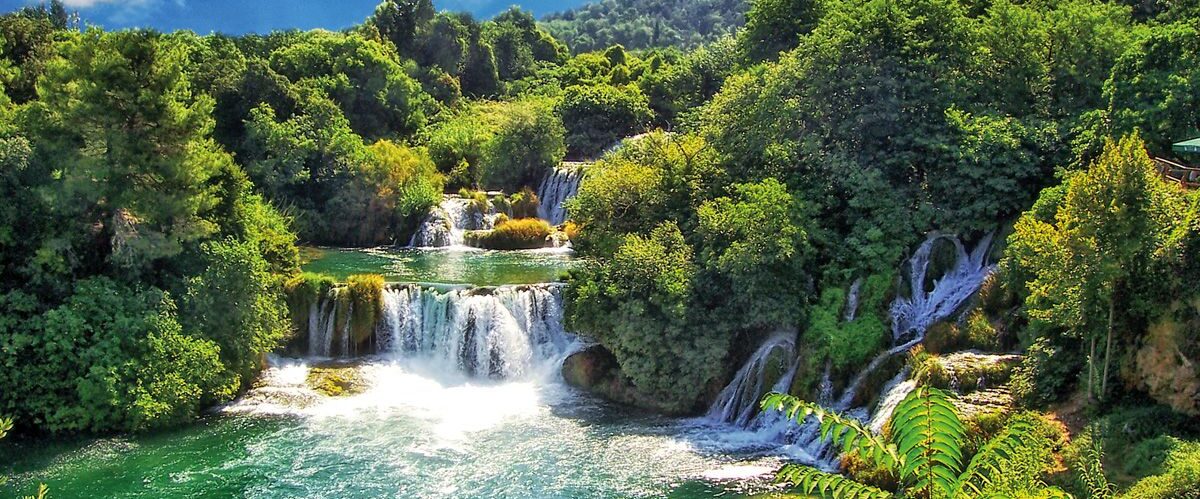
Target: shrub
{"type": "Point", "coordinates": [365, 293]}
{"type": "Point", "coordinates": [1179, 480]}
{"type": "Point", "coordinates": [1044, 375]}
{"type": "Point", "coordinates": [597, 116]}
{"type": "Point", "coordinates": [525, 204]}
{"type": "Point", "coordinates": [527, 144]}
{"type": "Point", "coordinates": [525, 233]}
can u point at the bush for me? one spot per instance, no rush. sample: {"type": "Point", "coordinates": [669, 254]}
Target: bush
{"type": "Point", "coordinates": [597, 116]}
{"type": "Point", "coordinates": [527, 144]}
{"type": "Point", "coordinates": [111, 358]}
{"type": "Point", "coordinates": [525, 233]}
{"type": "Point", "coordinates": [365, 293]}
{"type": "Point", "coordinates": [1179, 480]}
{"type": "Point", "coordinates": [1045, 374]}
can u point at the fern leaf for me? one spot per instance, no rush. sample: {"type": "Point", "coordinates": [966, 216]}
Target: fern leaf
{"type": "Point", "coordinates": [851, 436]}
{"type": "Point", "coordinates": [811, 481]}
{"type": "Point", "coordinates": [928, 435]}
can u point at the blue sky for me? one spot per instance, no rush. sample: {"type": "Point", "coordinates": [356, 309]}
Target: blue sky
{"type": "Point", "coordinates": [243, 16]}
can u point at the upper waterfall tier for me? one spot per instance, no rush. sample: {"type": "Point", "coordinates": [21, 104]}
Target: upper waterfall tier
{"type": "Point", "coordinates": [448, 222]}
{"type": "Point", "coordinates": [558, 186]}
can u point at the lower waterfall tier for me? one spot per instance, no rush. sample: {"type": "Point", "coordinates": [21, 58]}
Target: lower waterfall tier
{"type": "Point", "coordinates": [501, 332]}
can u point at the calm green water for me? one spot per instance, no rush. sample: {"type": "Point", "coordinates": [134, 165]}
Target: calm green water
{"type": "Point", "coordinates": [414, 433]}
{"type": "Point", "coordinates": [446, 266]}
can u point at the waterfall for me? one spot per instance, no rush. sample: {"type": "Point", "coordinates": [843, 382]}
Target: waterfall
{"type": "Point", "coordinates": [559, 185]}
{"type": "Point", "coordinates": [910, 317]}
{"type": "Point", "coordinates": [770, 368]}
{"type": "Point", "coordinates": [893, 393]}
{"type": "Point", "coordinates": [446, 223]}
{"type": "Point", "coordinates": [489, 332]}
{"type": "Point", "coordinates": [322, 325]}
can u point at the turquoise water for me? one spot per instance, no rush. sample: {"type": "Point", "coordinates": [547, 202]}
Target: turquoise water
{"type": "Point", "coordinates": [446, 266]}
{"type": "Point", "coordinates": [414, 433]}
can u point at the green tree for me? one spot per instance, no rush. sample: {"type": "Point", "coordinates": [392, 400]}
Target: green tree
{"type": "Point", "coordinates": [363, 77]}
{"type": "Point", "coordinates": [774, 26]}
{"type": "Point", "coordinates": [403, 22]}
{"type": "Point", "coordinates": [756, 242]}
{"type": "Point", "coordinates": [1096, 252]}
{"type": "Point", "coordinates": [1154, 87]}
{"type": "Point", "coordinates": [527, 145]}
{"type": "Point", "coordinates": [638, 306]}
{"type": "Point", "coordinates": [598, 116]}
{"type": "Point", "coordinates": [120, 117]}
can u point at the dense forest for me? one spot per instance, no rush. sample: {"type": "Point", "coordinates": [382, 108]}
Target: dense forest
{"type": "Point", "coordinates": [157, 186]}
{"type": "Point", "coordinates": [640, 24]}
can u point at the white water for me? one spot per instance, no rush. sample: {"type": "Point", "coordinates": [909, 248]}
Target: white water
{"type": "Point", "coordinates": [910, 316]}
{"type": "Point", "coordinates": [559, 185]}
{"type": "Point", "coordinates": [500, 332]}
{"type": "Point", "coordinates": [893, 393]}
{"type": "Point", "coordinates": [738, 403]}
{"type": "Point", "coordinates": [446, 224]}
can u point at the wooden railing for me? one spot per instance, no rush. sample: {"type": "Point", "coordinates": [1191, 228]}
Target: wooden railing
{"type": "Point", "coordinates": [1186, 176]}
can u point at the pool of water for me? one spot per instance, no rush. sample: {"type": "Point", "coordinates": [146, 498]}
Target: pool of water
{"type": "Point", "coordinates": [414, 433]}
{"type": "Point", "coordinates": [446, 266]}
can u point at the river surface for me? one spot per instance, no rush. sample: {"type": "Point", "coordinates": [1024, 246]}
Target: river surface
{"type": "Point", "coordinates": [416, 431]}
{"type": "Point", "coordinates": [418, 427]}
{"type": "Point", "coordinates": [444, 266]}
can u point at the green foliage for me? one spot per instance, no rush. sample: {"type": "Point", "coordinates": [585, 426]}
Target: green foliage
{"type": "Point", "coordinates": [373, 90]}
{"type": "Point", "coordinates": [237, 303]}
{"type": "Point", "coordinates": [365, 294]}
{"type": "Point", "coordinates": [923, 443]}
{"type": "Point", "coordinates": [1180, 477]}
{"type": "Point", "coordinates": [1097, 252]}
{"type": "Point", "coordinates": [527, 144]}
{"type": "Point", "coordinates": [637, 305]}
{"type": "Point", "coordinates": [655, 179]}
{"type": "Point", "coordinates": [774, 26]}
{"type": "Point", "coordinates": [597, 116]}
{"type": "Point", "coordinates": [111, 358]}
{"type": "Point", "coordinates": [848, 345]}
{"type": "Point", "coordinates": [524, 233]}
{"type": "Point", "coordinates": [756, 242]}
{"type": "Point", "coordinates": [1154, 86]}
{"type": "Point", "coordinates": [639, 24]}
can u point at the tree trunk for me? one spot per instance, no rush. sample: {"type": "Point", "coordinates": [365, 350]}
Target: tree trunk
{"type": "Point", "coordinates": [1107, 350]}
{"type": "Point", "coordinates": [1091, 370]}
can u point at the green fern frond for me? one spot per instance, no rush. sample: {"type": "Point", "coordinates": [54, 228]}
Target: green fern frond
{"type": "Point", "coordinates": [991, 457]}
{"type": "Point", "coordinates": [813, 482]}
{"type": "Point", "coordinates": [928, 435]}
{"type": "Point", "coordinates": [848, 435]}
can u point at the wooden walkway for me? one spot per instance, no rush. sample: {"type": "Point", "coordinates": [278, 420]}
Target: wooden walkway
{"type": "Point", "coordinates": [1186, 176]}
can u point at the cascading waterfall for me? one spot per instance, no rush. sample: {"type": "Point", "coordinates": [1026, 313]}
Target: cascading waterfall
{"type": "Point", "coordinates": [447, 222]}
{"type": "Point", "coordinates": [559, 185]}
{"type": "Point", "coordinates": [322, 325]}
{"type": "Point", "coordinates": [911, 316]}
{"type": "Point", "coordinates": [503, 332]}
{"type": "Point", "coordinates": [893, 393]}
{"type": "Point", "coordinates": [770, 368]}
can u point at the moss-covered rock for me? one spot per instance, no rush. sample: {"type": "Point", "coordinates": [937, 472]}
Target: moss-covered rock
{"type": "Point", "coordinates": [365, 294]}
{"type": "Point", "coordinates": [596, 371]}
{"type": "Point", "coordinates": [336, 381]}
{"type": "Point", "coordinates": [518, 234]}
{"type": "Point", "coordinates": [1167, 365]}
{"type": "Point", "coordinates": [303, 293]}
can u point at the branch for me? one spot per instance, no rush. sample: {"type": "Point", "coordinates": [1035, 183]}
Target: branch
{"type": "Point", "coordinates": [841, 431]}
